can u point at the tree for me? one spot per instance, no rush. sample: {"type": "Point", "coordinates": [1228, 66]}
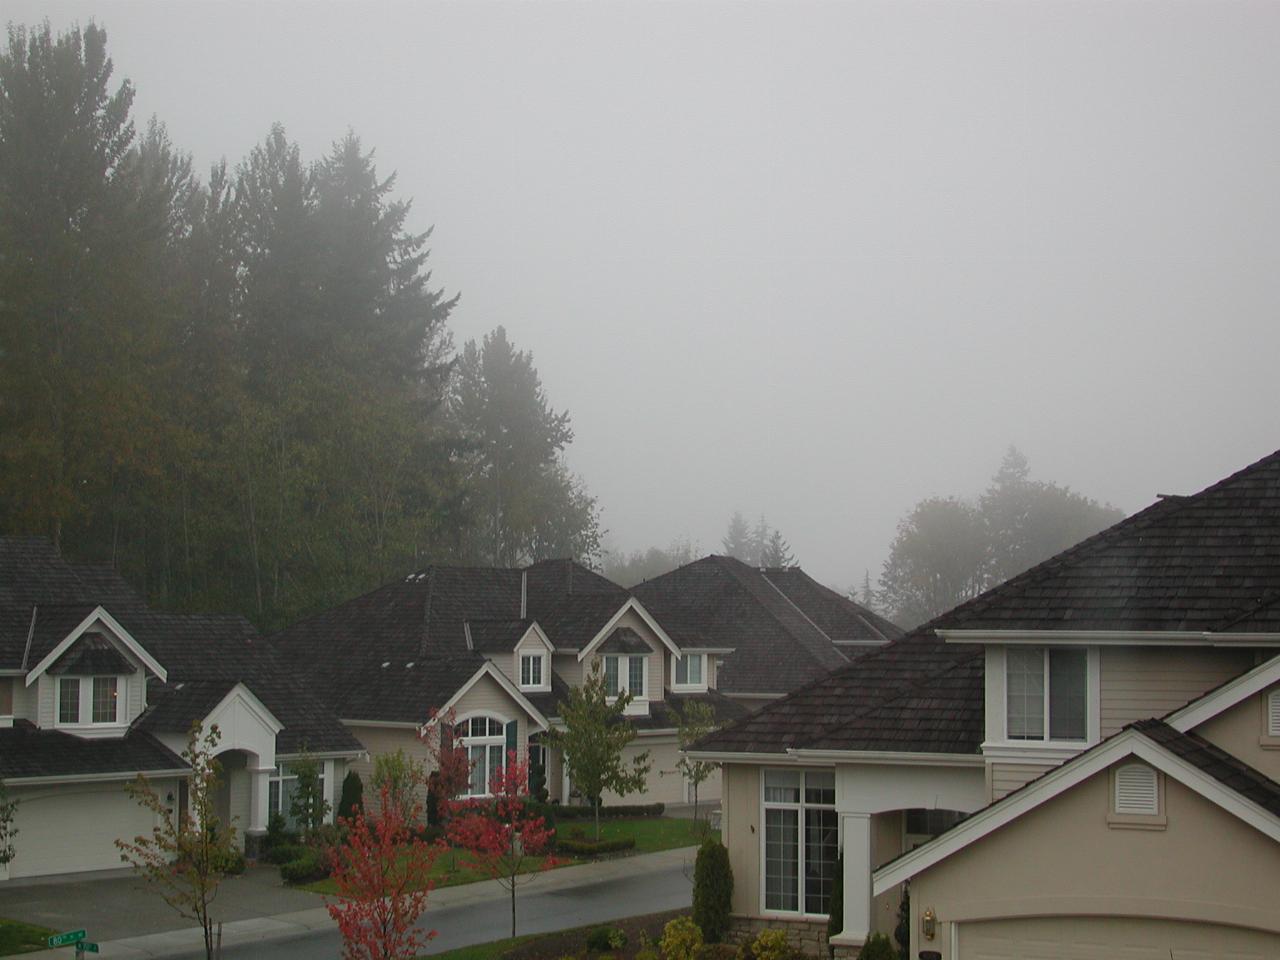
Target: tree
{"type": "Point", "coordinates": [938, 559]}
{"type": "Point", "coordinates": [308, 806]}
{"type": "Point", "coordinates": [382, 873]}
{"type": "Point", "coordinates": [639, 565]}
{"type": "Point", "coordinates": [737, 540]}
{"type": "Point", "coordinates": [696, 721]}
{"type": "Point", "coordinates": [450, 765]}
{"type": "Point", "coordinates": [8, 828]}
{"type": "Point", "coordinates": [352, 798]}
{"type": "Point", "coordinates": [592, 740]}
{"type": "Point", "coordinates": [502, 836]}
{"type": "Point", "coordinates": [398, 777]}
{"type": "Point", "coordinates": [712, 890]}
{"type": "Point", "coordinates": [189, 852]}
{"type": "Point", "coordinates": [777, 552]}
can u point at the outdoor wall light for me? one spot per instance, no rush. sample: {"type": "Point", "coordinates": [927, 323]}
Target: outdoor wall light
{"type": "Point", "coordinates": [929, 924]}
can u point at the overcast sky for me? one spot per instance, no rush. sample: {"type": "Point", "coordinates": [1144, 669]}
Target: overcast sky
{"type": "Point", "coordinates": [815, 261]}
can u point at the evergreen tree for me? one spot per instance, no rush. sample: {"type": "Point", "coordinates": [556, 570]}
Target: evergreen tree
{"type": "Point", "coordinates": [737, 541]}
{"type": "Point", "coordinates": [777, 552]}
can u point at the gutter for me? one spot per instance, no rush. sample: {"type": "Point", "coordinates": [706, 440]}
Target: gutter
{"type": "Point", "coordinates": [94, 777]}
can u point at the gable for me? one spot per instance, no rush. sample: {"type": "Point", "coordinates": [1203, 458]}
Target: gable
{"type": "Point", "coordinates": [1242, 730]}
{"type": "Point", "coordinates": [98, 620]}
{"type": "Point", "coordinates": [636, 618]}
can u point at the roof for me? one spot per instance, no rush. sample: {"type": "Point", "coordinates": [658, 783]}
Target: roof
{"type": "Point", "coordinates": [666, 714]}
{"type": "Point", "coordinates": [497, 636]}
{"type": "Point", "coordinates": [26, 751]}
{"type": "Point", "coordinates": [1228, 770]}
{"type": "Point", "coordinates": [1210, 561]}
{"type": "Point", "coordinates": [624, 640]}
{"type": "Point", "coordinates": [785, 628]}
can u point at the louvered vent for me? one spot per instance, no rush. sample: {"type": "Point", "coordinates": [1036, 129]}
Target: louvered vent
{"type": "Point", "coordinates": [1273, 714]}
{"type": "Point", "coordinates": [1136, 790]}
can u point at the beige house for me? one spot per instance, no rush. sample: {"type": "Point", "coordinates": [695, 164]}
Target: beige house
{"type": "Point", "coordinates": [1078, 763]}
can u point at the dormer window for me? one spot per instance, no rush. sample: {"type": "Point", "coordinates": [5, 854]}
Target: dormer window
{"type": "Point", "coordinates": [690, 671]}
{"type": "Point", "coordinates": [625, 673]}
{"type": "Point", "coordinates": [531, 669]}
{"type": "Point", "coordinates": [90, 701]}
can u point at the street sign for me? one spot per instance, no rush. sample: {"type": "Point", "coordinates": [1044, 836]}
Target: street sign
{"type": "Point", "coordinates": [66, 939]}
{"type": "Point", "coordinates": [86, 946]}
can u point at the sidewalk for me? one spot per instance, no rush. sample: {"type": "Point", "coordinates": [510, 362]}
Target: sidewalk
{"type": "Point", "coordinates": [277, 914]}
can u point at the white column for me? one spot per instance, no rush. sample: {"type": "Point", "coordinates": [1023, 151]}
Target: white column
{"type": "Point", "coordinates": [856, 828]}
{"type": "Point", "coordinates": [332, 789]}
{"type": "Point", "coordinates": [258, 797]}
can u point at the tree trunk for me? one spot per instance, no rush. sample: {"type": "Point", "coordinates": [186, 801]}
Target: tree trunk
{"type": "Point", "coordinates": [596, 804]}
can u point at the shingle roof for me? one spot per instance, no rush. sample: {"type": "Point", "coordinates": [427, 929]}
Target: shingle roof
{"type": "Point", "coordinates": [666, 714]}
{"type": "Point", "coordinates": [785, 628]}
{"type": "Point", "coordinates": [497, 636]}
{"type": "Point", "coordinates": [1228, 770]}
{"type": "Point", "coordinates": [624, 640]}
{"type": "Point", "coordinates": [26, 751]}
{"type": "Point", "coordinates": [1210, 561]}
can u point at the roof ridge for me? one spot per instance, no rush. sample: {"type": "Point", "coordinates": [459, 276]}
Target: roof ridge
{"type": "Point", "coordinates": [739, 577]}
{"type": "Point", "coordinates": [764, 575]}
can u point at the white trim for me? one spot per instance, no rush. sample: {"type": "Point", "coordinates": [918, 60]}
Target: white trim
{"type": "Point", "coordinates": [383, 724]}
{"type": "Point", "coordinates": [488, 669]}
{"type": "Point", "coordinates": [1127, 743]}
{"type": "Point", "coordinates": [84, 725]}
{"type": "Point", "coordinates": [1225, 697]}
{"type": "Point", "coordinates": [321, 755]}
{"type": "Point", "coordinates": [635, 605]}
{"type": "Point", "coordinates": [255, 706]}
{"type": "Point", "coordinates": [714, 651]}
{"type": "Point", "coordinates": [705, 670]}
{"type": "Point", "coordinates": [95, 777]}
{"type": "Point", "coordinates": [544, 654]}
{"type": "Point", "coordinates": [1051, 752]}
{"type": "Point", "coordinates": [99, 614]}
{"type": "Point", "coordinates": [1110, 638]}
{"type": "Point", "coordinates": [799, 807]}
{"type": "Point", "coordinates": [803, 755]}
{"type": "Point", "coordinates": [1092, 695]}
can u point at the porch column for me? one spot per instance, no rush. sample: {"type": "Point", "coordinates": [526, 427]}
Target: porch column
{"type": "Point", "coordinates": [258, 796]}
{"type": "Point", "coordinates": [856, 829]}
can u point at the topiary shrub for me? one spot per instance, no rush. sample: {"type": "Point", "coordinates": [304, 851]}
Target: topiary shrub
{"type": "Point", "coordinates": [902, 932]}
{"type": "Point", "coordinates": [606, 938]}
{"type": "Point", "coordinates": [309, 867]}
{"type": "Point", "coordinates": [681, 939]}
{"type": "Point", "coordinates": [772, 945]}
{"type": "Point", "coordinates": [352, 795]}
{"type": "Point", "coordinates": [878, 947]}
{"type": "Point", "coordinates": [277, 832]}
{"type": "Point", "coordinates": [712, 890]}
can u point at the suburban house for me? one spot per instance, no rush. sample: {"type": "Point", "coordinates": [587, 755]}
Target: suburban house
{"type": "Point", "coordinates": [785, 628]}
{"type": "Point", "coordinates": [95, 689]}
{"type": "Point", "coordinates": [1081, 762]}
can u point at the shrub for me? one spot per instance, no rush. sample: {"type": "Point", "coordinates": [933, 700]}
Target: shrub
{"type": "Point", "coordinates": [277, 832]}
{"type": "Point", "coordinates": [646, 953]}
{"type": "Point", "coordinates": [606, 938]}
{"type": "Point", "coordinates": [352, 795]}
{"type": "Point", "coordinates": [283, 853]}
{"type": "Point", "coordinates": [902, 932]}
{"type": "Point", "coordinates": [311, 866]}
{"type": "Point", "coordinates": [681, 939]}
{"type": "Point", "coordinates": [235, 864]}
{"type": "Point", "coordinates": [712, 890]}
{"type": "Point", "coordinates": [566, 811]}
{"type": "Point", "coordinates": [582, 847]}
{"type": "Point", "coordinates": [878, 947]}
{"type": "Point", "coordinates": [772, 945]}
{"type": "Point", "coordinates": [429, 833]}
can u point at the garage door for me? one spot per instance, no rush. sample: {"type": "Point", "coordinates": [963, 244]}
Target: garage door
{"type": "Point", "coordinates": [74, 829]}
{"type": "Point", "coordinates": [1105, 938]}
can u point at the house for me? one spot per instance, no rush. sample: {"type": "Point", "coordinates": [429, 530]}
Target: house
{"type": "Point", "coordinates": [96, 688]}
{"type": "Point", "coordinates": [784, 627]}
{"type": "Point", "coordinates": [1081, 762]}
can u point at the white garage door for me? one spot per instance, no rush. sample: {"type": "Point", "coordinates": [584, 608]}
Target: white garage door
{"type": "Point", "coordinates": [1111, 938]}
{"type": "Point", "coordinates": [71, 829]}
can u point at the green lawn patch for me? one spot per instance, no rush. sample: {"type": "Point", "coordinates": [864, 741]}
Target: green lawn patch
{"type": "Point", "coordinates": [18, 937]}
{"type": "Point", "coordinates": [563, 943]}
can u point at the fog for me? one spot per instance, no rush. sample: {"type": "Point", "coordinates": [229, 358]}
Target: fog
{"type": "Point", "coordinates": [814, 261]}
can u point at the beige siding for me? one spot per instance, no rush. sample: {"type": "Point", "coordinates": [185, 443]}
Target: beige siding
{"type": "Point", "coordinates": [380, 740]}
{"type": "Point", "coordinates": [741, 834]}
{"type": "Point", "coordinates": [488, 697]}
{"type": "Point", "coordinates": [1063, 859]}
{"type": "Point", "coordinates": [659, 667]}
{"type": "Point", "coordinates": [47, 691]}
{"type": "Point", "coordinates": [136, 695]}
{"type": "Point", "coordinates": [6, 696]}
{"type": "Point", "coordinates": [567, 667]}
{"type": "Point", "coordinates": [666, 783]}
{"type": "Point", "coordinates": [886, 843]}
{"type": "Point", "coordinates": [26, 701]}
{"type": "Point", "coordinates": [1141, 682]}
{"type": "Point", "coordinates": [1242, 732]}
{"type": "Point", "coordinates": [1007, 777]}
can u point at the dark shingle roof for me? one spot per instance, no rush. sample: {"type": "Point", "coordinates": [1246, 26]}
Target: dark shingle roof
{"type": "Point", "coordinates": [665, 714]}
{"type": "Point", "coordinates": [624, 640]}
{"type": "Point", "coordinates": [1228, 770]}
{"type": "Point", "coordinates": [26, 751]}
{"type": "Point", "coordinates": [784, 628]}
{"type": "Point", "coordinates": [496, 636]}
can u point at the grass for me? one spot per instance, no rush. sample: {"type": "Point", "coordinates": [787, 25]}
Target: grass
{"type": "Point", "coordinates": [18, 937]}
{"type": "Point", "coordinates": [650, 833]}
{"type": "Point", "coordinates": [562, 943]}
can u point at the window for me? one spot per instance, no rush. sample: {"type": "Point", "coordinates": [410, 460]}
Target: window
{"type": "Point", "coordinates": [531, 670]}
{"type": "Point", "coordinates": [90, 701]}
{"type": "Point", "coordinates": [484, 739]}
{"type": "Point", "coordinates": [689, 670]}
{"type": "Point", "coordinates": [800, 845]}
{"type": "Point", "coordinates": [105, 700]}
{"type": "Point", "coordinates": [281, 786]}
{"type": "Point", "coordinates": [1136, 790]}
{"type": "Point", "coordinates": [625, 673]}
{"type": "Point", "coordinates": [1046, 689]}
{"type": "Point", "coordinates": [69, 700]}
{"type": "Point", "coordinates": [921, 826]}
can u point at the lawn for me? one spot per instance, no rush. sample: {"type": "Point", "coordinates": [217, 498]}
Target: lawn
{"type": "Point", "coordinates": [650, 833]}
{"type": "Point", "coordinates": [18, 937]}
{"type": "Point", "coordinates": [565, 943]}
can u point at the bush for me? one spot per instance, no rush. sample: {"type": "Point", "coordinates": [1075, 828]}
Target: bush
{"type": "Point", "coordinates": [772, 945]}
{"type": "Point", "coordinates": [646, 953]}
{"type": "Point", "coordinates": [565, 811]}
{"type": "Point", "coordinates": [878, 947]}
{"type": "Point", "coordinates": [235, 864]}
{"type": "Point", "coordinates": [352, 795]}
{"type": "Point", "coordinates": [277, 832]}
{"type": "Point", "coordinates": [712, 890]}
{"type": "Point", "coordinates": [311, 866]}
{"type": "Point", "coordinates": [283, 853]}
{"type": "Point", "coordinates": [429, 833]}
{"type": "Point", "coordinates": [606, 938]}
{"type": "Point", "coordinates": [593, 848]}
{"type": "Point", "coordinates": [681, 939]}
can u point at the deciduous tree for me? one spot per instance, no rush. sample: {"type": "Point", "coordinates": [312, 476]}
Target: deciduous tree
{"type": "Point", "coordinates": [697, 719]}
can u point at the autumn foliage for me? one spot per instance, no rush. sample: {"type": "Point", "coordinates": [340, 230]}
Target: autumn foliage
{"type": "Point", "coordinates": [382, 872]}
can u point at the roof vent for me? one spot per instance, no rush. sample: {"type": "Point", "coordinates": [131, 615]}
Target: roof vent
{"type": "Point", "coordinates": [1273, 714]}
{"type": "Point", "coordinates": [385, 664]}
{"type": "Point", "coordinates": [409, 665]}
{"type": "Point", "coordinates": [1136, 791]}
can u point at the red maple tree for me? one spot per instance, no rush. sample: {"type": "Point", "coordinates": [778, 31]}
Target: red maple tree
{"type": "Point", "coordinates": [383, 874]}
{"type": "Point", "coordinates": [451, 767]}
{"type": "Point", "coordinates": [500, 834]}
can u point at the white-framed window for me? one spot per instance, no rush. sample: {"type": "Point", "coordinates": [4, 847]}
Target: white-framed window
{"type": "Point", "coordinates": [1046, 693]}
{"type": "Point", "coordinates": [485, 740]}
{"type": "Point", "coordinates": [629, 673]}
{"type": "Point", "coordinates": [281, 786]}
{"type": "Point", "coordinates": [532, 669]}
{"type": "Point", "coordinates": [690, 671]}
{"type": "Point", "coordinates": [800, 840]}
{"type": "Point", "coordinates": [90, 701]}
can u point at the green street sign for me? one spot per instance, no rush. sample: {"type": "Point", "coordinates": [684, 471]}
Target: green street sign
{"type": "Point", "coordinates": [86, 946]}
{"type": "Point", "coordinates": [66, 939]}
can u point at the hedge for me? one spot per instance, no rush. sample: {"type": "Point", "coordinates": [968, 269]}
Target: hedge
{"type": "Point", "coordinates": [565, 811]}
{"type": "Point", "coordinates": [310, 866]}
{"type": "Point", "coordinates": [283, 853]}
{"type": "Point", "coordinates": [590, 848]}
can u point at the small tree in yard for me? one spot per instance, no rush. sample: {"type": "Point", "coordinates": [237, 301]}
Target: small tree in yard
{"type": "Point", "coordinates": [8, 815]}
{"type": "Point", "coordinates": [397, 777]}
{"type": "Point", "coordinates": [187, 854]}
{"type": "Point", "coordinates": [712, 890]}
{"type": "Point", "coordinates": [594, 736]}
{"type": "Point", "coordinates": [696, 721]}
{"type": "Point", "coordinates": [308, 806]}
{"type": "Point", "coordinates": [383, 875]}
{"type": "Point", "coordinates": [352, 795]}
{"type": "Point", "coordinates": [452, 773]}
{"type": "Point", "coordinates": [502, 836]}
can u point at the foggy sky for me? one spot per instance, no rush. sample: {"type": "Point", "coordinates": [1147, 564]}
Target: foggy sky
{"type": "Point", "coordinates": [815, 261]}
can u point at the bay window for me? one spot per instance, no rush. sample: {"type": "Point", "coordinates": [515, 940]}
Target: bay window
{"type": "Point", "coordinates": [1046, 693]}
{"type": "Point", "coordinates": [800, 840]}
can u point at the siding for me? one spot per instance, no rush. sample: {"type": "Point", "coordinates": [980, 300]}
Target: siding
{"type": "Point", "coordinates": [665, 783]}
{"type": "Point", "coordinates": [1141, 682]}
{"type": "Point", "coordinates": [886, 843]}
{"type": "Point", "coordinates": [1242, 732]}
{"type": "Point", "coordinates": [25, 701]}
{"type": "Point", "coordinates": [136, 694]}
{"type": "Point", "coordinates": [741, 832]}
{"type": "Point", "coordinates": [380, 740]}
{"type": "Point", "coordinates": [568, 668]}
{"type": "Point", "coordinates": [6, 696]}
{"type": "Point", "coordinates": [488, 697]}
{"type": "Point", "coordinates": [1007, 777]}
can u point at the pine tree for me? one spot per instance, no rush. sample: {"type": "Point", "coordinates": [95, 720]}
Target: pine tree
{"type": "Point", "coordinates": [737, 541]}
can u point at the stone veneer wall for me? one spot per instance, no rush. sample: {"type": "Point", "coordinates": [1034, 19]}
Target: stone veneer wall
{"type": "Point", "coordinates": [807, 936]}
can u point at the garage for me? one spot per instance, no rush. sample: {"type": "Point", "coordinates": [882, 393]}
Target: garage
{"type": "Point", "coordinates": [1110, 938]}
{"type": "Point", "coordinates": [69, 829]}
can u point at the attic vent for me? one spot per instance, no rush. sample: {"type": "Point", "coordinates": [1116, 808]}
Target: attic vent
{"type": "Point", "coordinates": [1136, 790]}
{"type": "Point", "coordinates": [1273, 714]}
{"type": "Point", "coordinates": [385, 664]}
{"type": "Point", "coordinates": [409, 665]}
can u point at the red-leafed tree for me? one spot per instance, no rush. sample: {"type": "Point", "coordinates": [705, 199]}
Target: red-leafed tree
{"type": "Point", "coordinates": [500, 834]}
{"type": "Point", "coordinates": [383, 875]}
{"type": "Point", "coordinates": [451, 771]}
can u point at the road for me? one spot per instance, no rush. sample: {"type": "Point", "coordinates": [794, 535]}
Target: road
{"type": "Point", "coordinates": [538, 911]}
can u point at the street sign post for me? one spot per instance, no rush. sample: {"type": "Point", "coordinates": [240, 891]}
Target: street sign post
{"type": "Point", "coordinates": [66, 939]}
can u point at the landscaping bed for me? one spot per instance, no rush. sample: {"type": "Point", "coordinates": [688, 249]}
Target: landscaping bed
{"type": "Point", "coordinates": [16, 937]}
